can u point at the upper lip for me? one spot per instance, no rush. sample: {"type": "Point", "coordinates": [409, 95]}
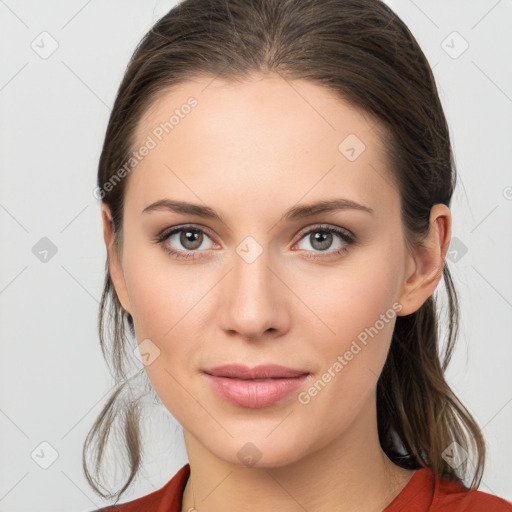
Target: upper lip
{"type": "Point", "coordinates": [265, 371]}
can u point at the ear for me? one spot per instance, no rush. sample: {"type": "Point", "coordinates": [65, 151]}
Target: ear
{"type": "Point", "coordinates": [427, 262]}
{"type": "Point", "coordinates": [114, 260]}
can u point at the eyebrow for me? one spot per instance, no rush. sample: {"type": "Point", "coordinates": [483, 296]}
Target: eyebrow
{"type": "Point", "coordinates": [296, 212]}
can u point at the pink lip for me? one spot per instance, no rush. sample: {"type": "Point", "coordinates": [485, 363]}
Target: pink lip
{"type": "Point", "coordinates": [257, 387]}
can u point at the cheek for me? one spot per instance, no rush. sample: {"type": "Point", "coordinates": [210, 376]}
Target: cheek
{"type": "Point", "coordinates": [355, 305]}
{"type": "Point", "coordinates": [359, 309]}
{"type": "Point", "coordinates": [166, 301]}
{"type": "Point", "coordinates": [352, 297]}
{"type": "Point", "coordinates": [163, 295]}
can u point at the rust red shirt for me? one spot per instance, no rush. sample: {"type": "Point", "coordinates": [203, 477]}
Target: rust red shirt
{"type": "Point", "coordinates": [416, 496]}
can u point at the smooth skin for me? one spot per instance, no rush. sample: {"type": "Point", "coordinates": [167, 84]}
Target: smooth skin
{"type": "Point", "coordinates": [250, 151]}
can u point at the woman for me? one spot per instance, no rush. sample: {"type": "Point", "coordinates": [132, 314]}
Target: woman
{"type": "Point", "coordinates": [275, 185]}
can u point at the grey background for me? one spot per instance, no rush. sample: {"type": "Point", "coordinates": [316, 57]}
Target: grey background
{"type": "Point", "coordinates": [54, 111]}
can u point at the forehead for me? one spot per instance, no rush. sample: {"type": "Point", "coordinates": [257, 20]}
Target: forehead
{"type": "Point", "coordinates": [256, 138]}
{"type": "Point", "coordinates": [252, 104]}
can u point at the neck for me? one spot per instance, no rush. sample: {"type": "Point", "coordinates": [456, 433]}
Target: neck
{"type": "Point", "coordinates": [351, 473]}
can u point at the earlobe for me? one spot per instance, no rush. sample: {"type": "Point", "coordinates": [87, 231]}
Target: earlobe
{"type": "Point", "coordinates": [114, 261]}
{"type": "Point", "coordinates": [427, 262]}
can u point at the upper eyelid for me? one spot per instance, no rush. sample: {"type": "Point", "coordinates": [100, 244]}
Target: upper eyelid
{"type": "Point", "coordinates": [166, 233]}
{"type": "Point", "coordinates": [323, 225]}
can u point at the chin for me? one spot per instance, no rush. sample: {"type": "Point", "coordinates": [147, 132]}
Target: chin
{"type": "Point", "coordinates": [258, 451]}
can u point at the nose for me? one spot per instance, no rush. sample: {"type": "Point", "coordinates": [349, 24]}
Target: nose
{"type": "Point", "coordinates": [253, 301]}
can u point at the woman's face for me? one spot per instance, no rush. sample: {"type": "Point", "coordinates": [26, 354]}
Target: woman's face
{"type": "Point", "coordinates": [263, 282]}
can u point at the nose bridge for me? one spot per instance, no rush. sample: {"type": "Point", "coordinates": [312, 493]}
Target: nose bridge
{"type": "Point", "coordinates": [251, 303]}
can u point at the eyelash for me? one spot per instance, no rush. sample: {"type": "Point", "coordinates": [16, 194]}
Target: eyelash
{"type": "Point", "coordinates": [344, 234]}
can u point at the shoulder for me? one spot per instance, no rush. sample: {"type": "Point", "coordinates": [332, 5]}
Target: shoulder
{"type": "Point", "coordinates": [167, 497]}
{"type": "Point", "coordinates": [453, 497]}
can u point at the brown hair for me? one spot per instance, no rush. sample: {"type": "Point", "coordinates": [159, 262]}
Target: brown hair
{"type": "Point", "coordinates": [361, 50]}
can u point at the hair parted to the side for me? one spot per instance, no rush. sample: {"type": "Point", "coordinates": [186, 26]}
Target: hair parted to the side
{"type": "Point", "coordinates": [363, 52]}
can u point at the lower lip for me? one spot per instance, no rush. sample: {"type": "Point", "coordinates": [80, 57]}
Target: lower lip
{"type": "Point", "coordinates": [254, 393]}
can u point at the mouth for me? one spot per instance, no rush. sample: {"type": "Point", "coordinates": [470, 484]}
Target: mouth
{"type": "Point", "coordinates": [256, 387]}
{"type": "Point", "coordinates": [266, 371]}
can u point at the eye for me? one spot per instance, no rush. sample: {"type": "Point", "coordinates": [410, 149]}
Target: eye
{"type": "Point", "coordinates": [321, 238]}
{"type": "Point", "coordinates": [184, 241]}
